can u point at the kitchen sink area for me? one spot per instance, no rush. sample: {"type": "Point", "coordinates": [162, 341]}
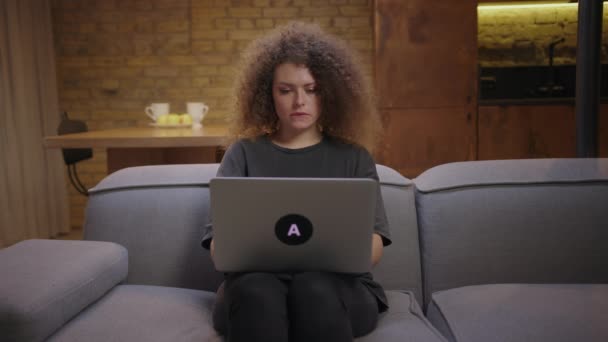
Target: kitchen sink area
{"type": "Point", "coordinates": [533, 84]}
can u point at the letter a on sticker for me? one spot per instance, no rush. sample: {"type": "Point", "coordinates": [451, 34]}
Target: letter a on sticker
{"type": "Point", "coordinates": [293, 230]}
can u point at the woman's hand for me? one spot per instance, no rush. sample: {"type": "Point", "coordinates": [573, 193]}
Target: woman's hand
{"type": "Point", "coordinates": [377, 248]}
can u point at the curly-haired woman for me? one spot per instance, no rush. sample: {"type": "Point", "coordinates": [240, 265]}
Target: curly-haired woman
{"type": "Point", "coordinates": [303, 109]}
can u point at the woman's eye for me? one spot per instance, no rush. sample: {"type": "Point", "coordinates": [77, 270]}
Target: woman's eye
{"type": "Point", "coordinates": [284, 90]}
{"type": "Point", "coordinates": [311, 90]}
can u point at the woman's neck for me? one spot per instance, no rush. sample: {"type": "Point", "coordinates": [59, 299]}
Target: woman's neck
{"type": "Point", "coordinates": [297, 140]}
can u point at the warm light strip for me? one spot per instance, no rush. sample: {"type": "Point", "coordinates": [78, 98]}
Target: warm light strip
{"type": "Point", "coordinates": [514, 6]}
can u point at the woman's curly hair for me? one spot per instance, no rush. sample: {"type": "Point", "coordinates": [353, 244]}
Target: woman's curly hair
{"type": "Point", "coordinates": [348, 110]}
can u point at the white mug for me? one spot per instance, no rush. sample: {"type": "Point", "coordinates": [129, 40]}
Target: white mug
{"type": "Point", "coordinates": [197, 111]}
{"type": "Point", "coordinates": [155, 110]}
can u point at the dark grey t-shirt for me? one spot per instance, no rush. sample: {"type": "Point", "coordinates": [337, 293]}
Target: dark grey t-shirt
{"type": "Point", "coordinates": [330, 158]}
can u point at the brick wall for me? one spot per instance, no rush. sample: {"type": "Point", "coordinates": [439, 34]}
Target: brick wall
{"type": "Point", "coordinates": [116, 56]}
{"type": "Point", "coordinates": [511, 37]}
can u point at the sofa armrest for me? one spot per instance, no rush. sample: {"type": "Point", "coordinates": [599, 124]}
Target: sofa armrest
{"type": "Point", "coordinates": [45, 283]}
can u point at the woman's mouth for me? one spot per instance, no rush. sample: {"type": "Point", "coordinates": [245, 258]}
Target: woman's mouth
{"type": "Point", "coordinates": [298, 114]}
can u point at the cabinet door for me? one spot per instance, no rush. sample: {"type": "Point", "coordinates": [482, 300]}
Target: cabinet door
{"type": "Point", "coordinates": [418, 139]}
{"type": "Point", "coordinates": [517, 132]}
{"type": "Point", "coordinates": [425, 53]}
{"type": "Point", "coordinates": [602, 135]}
{"type": "Point", "coordinates": [547, 131]}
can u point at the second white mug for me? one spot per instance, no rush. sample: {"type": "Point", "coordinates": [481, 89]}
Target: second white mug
{"type": "Point", "coordinates": [197, 111]}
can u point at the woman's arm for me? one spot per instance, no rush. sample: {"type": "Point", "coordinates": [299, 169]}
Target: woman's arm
{"type": "Point", "coordinates": [377, 248]}
{"type": "Point", "coordinates": [233, 165]}
{"type": "Point", "coordinates": [366, 168]}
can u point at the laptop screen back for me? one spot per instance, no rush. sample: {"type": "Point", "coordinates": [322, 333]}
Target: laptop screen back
{"type": "Point", "coordinates": [293, 224]}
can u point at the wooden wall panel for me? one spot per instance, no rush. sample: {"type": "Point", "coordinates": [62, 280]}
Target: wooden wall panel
{"type": "Point", "coordinates": [426, 53]}
{"type": "Point", "coordinates": [426, 80]}
{"type": "Point", "coordinates": [418, 139]}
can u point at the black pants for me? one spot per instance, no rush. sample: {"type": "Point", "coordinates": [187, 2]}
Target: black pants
{"type": "Point", "coordinates": [310, 306]}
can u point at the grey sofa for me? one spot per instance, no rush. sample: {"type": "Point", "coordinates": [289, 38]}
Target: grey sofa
{"type": "Point", "coordinates": [495, 251]}
{"type": "Point", "coordinates": [141, 274]}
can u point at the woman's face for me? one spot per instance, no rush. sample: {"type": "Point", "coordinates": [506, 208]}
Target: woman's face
{"type": "Point", "coordinates": [296, 99]}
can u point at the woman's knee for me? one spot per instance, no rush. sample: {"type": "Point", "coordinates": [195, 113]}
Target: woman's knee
{"type": "Point", "coordinates": [317, 290]}
{"type": "Point", "coordinates": [253, 308]}
{"type": "Point", "coordinates": [254, 287]}
{"type": "Point", "coordinates": [313, 297]}
{"type": "Point", "coordinates": [348, 302]}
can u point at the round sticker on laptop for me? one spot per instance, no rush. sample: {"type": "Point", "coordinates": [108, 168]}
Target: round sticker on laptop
{"type": "Point", "coordinates": [293, 229]}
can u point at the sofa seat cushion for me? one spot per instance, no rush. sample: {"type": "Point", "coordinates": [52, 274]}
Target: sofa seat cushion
{"type": "Point", "coordinates": [144, 313]}
{"type": "Point", "coordinates": [403, 322]}
{"type": "Point", "coordinates": [153, 313]}
{"type": "Point", "coordinates": [522, 312]}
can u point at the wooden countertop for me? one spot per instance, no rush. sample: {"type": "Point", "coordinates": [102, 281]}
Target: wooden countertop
{"type": "Point", "coordinates": [209, 135]}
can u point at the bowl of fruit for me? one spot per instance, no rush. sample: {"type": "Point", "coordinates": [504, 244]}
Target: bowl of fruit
{"type": "Point", "coordinates": [173, 120]}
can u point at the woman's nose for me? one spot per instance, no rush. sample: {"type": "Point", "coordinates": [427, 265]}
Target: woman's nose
{"type": "Point", "coordinates": [300, 98]}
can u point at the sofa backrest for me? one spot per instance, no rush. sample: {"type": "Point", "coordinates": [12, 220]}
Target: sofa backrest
{"type": "Point", "coordinates": [513, 221]}
{"type": "Point", "coordinates": [158, 212]}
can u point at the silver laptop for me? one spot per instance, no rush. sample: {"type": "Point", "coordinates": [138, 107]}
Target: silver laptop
{"type": "Point", "coordinates": [293, 224]}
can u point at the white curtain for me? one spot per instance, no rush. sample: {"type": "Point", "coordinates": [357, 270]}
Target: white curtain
{"type": "Point", "coordinates": [33, 195]}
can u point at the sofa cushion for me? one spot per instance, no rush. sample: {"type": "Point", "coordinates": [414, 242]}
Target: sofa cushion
{"type": "Point", "coordinates": [513, 221]}
{"type": "Point", "coordinates": [44, 283]}
{"type": "Point", "coordinates": [522, 312]}
{"type": "Point", "coordinates": [157, 213]}
{"type": "Point", "coordinates": [157, 176]}
{"type": "Point", "coordinates": [144, 313]}
{"type": "Point", "coordinates": [400, 267]}
{"type": "Point", "coordinates": [404, 321]}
